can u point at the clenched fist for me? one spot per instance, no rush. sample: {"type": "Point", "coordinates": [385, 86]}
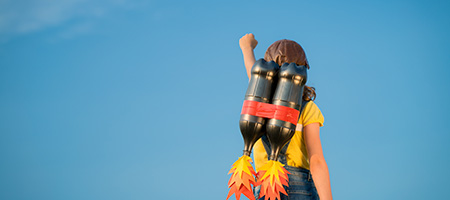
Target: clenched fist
{"type": "Point", "coordinates": [248, 42]}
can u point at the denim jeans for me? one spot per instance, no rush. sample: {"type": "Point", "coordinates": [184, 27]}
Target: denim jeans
{"type": "Point", "coordinates": [301, 185]}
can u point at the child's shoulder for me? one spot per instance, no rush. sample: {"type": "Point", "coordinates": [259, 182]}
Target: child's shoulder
{"type": "Point", "coordinates": [311, 113]}
{"type": "Point", "coordinates": [311, 105]}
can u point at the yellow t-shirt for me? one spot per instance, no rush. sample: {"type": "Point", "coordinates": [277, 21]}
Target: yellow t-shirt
{"type": "Point", "coordinates": [296, 153]}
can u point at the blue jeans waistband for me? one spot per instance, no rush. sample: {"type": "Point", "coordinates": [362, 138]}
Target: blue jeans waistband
{"type": "Point", "coordinates": [301, 186]}
{"type": "Point", "coordinates": [298, 171]}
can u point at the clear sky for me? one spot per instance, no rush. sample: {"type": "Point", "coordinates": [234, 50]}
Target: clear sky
{"type": "Point", "coordinates": [141, 99]}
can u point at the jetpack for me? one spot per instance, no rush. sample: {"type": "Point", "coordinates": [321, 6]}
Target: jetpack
{"type": "Point", "coordinates": [271, 107]}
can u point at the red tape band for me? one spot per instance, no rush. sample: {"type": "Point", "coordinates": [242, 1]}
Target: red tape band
{"type": "Point", "coordinates": [270, 111]}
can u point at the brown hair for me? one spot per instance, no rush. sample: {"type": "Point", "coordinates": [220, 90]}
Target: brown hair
{"type": "Point", "coordinates": [288, 51]}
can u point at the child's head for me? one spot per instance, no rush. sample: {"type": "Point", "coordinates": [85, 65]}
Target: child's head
{"type": "Point", "coordinates": [286, 51]}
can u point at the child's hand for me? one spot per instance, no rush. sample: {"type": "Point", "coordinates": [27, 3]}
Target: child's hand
{"type": "Point", "coordinates": [248, 42]}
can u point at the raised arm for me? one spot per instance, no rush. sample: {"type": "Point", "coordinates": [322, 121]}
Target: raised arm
{"type": "Point", "coordinates": [317, 164]}
{"type": "Point", "coordinates": [247, 44]}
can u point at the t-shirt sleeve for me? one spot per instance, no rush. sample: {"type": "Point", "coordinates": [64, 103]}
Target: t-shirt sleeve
{"type": "Point", "coordinates": [311, 114]}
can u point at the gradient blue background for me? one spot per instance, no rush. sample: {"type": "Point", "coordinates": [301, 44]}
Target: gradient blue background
{"type": "Point", "coordinates": [141, 99]}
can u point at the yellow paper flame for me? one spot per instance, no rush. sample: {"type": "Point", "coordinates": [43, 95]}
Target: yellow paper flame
{"type": "Point", "coordinates": [273, 176]}
{"type": "Point", "coordinates": [242, 178]}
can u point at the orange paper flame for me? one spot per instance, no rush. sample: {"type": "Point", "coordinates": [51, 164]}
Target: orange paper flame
{"type": "Point", "coordinates": [273, 176]}
{"type": "Point", "coordinates": [242, 179]}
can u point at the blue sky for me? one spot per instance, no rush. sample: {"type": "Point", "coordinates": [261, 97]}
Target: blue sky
{"type": "Point", "coordinates": [141, 99]}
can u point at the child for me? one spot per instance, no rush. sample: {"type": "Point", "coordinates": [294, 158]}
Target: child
{"type": "Point", "coordinates": [303, 157]}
